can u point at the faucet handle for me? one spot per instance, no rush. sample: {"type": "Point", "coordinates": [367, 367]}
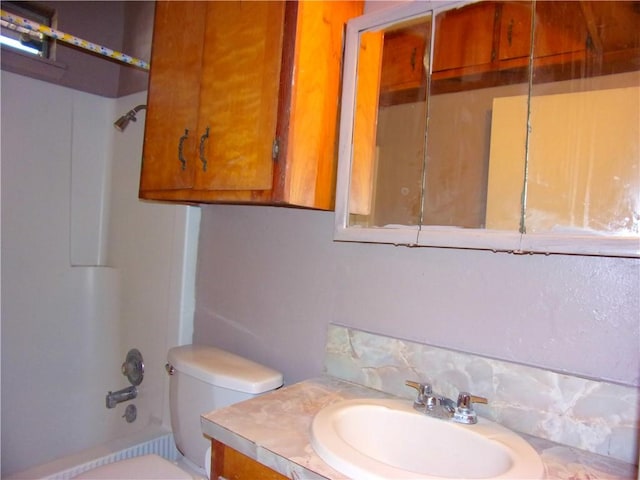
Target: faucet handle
{"type": "Point", "coordinates": [464, 412]}
{"type": "Point", "coordinates": [424, 391]}
{"type": "Point", "coordinates": [465, 400]}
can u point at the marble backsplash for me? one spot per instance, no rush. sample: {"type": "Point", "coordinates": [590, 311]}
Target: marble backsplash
{"type": "Point", "coordinates": [596, 416]}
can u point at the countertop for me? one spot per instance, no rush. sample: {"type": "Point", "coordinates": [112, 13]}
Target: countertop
{"type": "Point", "coordinates": [274, 430]}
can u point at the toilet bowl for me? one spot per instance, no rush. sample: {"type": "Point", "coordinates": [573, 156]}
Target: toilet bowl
{"type": "Point", "coordinates": [202, 379]}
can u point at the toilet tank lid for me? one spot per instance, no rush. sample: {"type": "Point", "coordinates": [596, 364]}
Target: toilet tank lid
{"type": "Point", "coordinates": [224, 369]}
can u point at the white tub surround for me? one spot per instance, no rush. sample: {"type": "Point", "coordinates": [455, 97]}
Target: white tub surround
{"type": "Point", "coordinates": [64, 309]}
{"type": "Point", "coordinates": [274, 429]}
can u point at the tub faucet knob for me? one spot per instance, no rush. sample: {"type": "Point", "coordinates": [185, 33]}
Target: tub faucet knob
{"type": "Point", "coordinates": [133, 367]}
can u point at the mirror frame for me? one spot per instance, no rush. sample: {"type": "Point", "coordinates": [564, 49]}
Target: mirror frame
{"type": "Point", "coordinates": [442, 236]}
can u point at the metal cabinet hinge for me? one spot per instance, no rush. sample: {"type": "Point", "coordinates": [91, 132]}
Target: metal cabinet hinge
{"type": "Point", "coordinates": [275, 149]}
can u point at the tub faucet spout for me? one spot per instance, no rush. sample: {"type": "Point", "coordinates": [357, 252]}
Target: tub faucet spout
{"type": "Point", "coordinates": [126, 394]}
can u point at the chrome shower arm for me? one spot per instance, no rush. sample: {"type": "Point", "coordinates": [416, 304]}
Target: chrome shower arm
{"type": "Point", "coordinates": [121, 123]}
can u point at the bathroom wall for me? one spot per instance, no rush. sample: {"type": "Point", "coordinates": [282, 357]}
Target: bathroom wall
{"type": "Point", "coordinates": [66, 329]}
{"type": "Point", "coordinates": [270, 280]}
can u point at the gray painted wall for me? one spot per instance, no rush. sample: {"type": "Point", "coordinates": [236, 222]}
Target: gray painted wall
{"type": "Point", "coordinates": [270, 280]}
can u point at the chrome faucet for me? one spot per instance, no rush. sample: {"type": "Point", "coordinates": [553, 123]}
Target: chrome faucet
{"type": "Point", "coordinates": [465, 412]}
{"type": "Point", "coordinates": [126, 394]}
{"type": "Point", "coordinates": [439, 406]}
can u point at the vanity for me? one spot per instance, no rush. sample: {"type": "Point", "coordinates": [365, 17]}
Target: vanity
{"type": "Point", "coordinates": [272, 433]}
{"type": "Point", "coordinates": [268, 438]}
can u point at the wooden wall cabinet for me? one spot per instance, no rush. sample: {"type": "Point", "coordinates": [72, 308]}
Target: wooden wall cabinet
{"type": "Point", "coordinates": [230, 464]}
{"type": "Point", "coordinates": [489, 43]}
{"type": "Point", "coordinates": [243, 104]}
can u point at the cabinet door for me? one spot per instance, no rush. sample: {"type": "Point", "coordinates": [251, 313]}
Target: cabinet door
{"type": "Point", "coordinates": [560, 29]}
{"type": "Point", "coordinates": [515, 31]}
{"type": "Point", "coordinates": [170, 139]}
{"type": "Point", "coordinates": [403, 74]}
{"type": "Point", "coordinates": [309, 100]}
{"type": "Point", "coordinates": [239, 95]}
{"type": "Point", "coordinates": [464, 37]}
{"type": "Point", "coordinates": [232, 465]}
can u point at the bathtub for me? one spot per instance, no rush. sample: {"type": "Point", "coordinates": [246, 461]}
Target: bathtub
{"type": "Point", "coordinates": [156, 440]}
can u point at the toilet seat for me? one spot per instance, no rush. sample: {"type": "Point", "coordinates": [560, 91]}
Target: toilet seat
{"type": "Point", "coordinates": [145, 467]}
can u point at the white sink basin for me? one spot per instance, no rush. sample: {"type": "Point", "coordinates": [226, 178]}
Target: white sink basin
{"type": "Point", "coordinates": [388, 439]}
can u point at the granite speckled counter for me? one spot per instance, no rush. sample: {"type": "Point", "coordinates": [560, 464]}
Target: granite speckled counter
{"type": "Point", "coordinates": [274, 429]}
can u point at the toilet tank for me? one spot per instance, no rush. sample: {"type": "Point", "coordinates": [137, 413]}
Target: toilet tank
{"type": "Point", "coordinates": [204, 378]}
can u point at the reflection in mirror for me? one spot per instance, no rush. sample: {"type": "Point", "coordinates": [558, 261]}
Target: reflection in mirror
{"type": "Point", "coordinates": [502, 125]}
{"type": "Point", "coordinates": [477, 59]}
{"type": "Point", "coordinates": [390, 124]}
{"type": "Point", "coordinates": [584, 154]}
{"type": "Point", "coordinates": [405, 173]}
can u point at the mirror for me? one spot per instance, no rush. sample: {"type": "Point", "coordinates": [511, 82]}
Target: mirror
{"type": "Point", "coordinates": [390, 124]}
{"type": "Point", "coordinates": [502, 125]}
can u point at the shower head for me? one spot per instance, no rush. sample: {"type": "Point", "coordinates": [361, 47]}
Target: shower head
{"type": "Point", "coordinates": [121, 123]}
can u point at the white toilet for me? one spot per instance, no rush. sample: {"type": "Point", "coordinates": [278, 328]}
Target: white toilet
{"type": "Point", "coordinates": [203, 378]}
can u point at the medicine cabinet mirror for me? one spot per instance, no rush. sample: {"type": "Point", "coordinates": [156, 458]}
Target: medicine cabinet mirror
{"type": "Point", "coordinates": [500, 125]}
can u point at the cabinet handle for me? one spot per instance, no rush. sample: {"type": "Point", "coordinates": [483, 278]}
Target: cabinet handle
{"type": "Point", "coordinates": [183, 161]}
{"type": "Point", "coordinates": [510, 32]}
{"type": "Point", "coordinates": [203, 140]}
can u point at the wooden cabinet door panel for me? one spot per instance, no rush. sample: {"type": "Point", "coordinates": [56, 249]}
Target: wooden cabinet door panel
{"type": "Point", "coordinates": [173, 97]}
{"type": "Point", "coordinates": [515, 31]}
{"type": "Point", "coordinates": [232, 465]}
{"type": "Point", "coordinates": [308, 127]}
{"type": "Point", "coordinates": [404, 53]}
{"type": "Point", "coordinates": [559, 28]}
{"type": "Point", "coordinates": [239, 95]}
{"type": "Point", "coordinates": [464, 37]}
